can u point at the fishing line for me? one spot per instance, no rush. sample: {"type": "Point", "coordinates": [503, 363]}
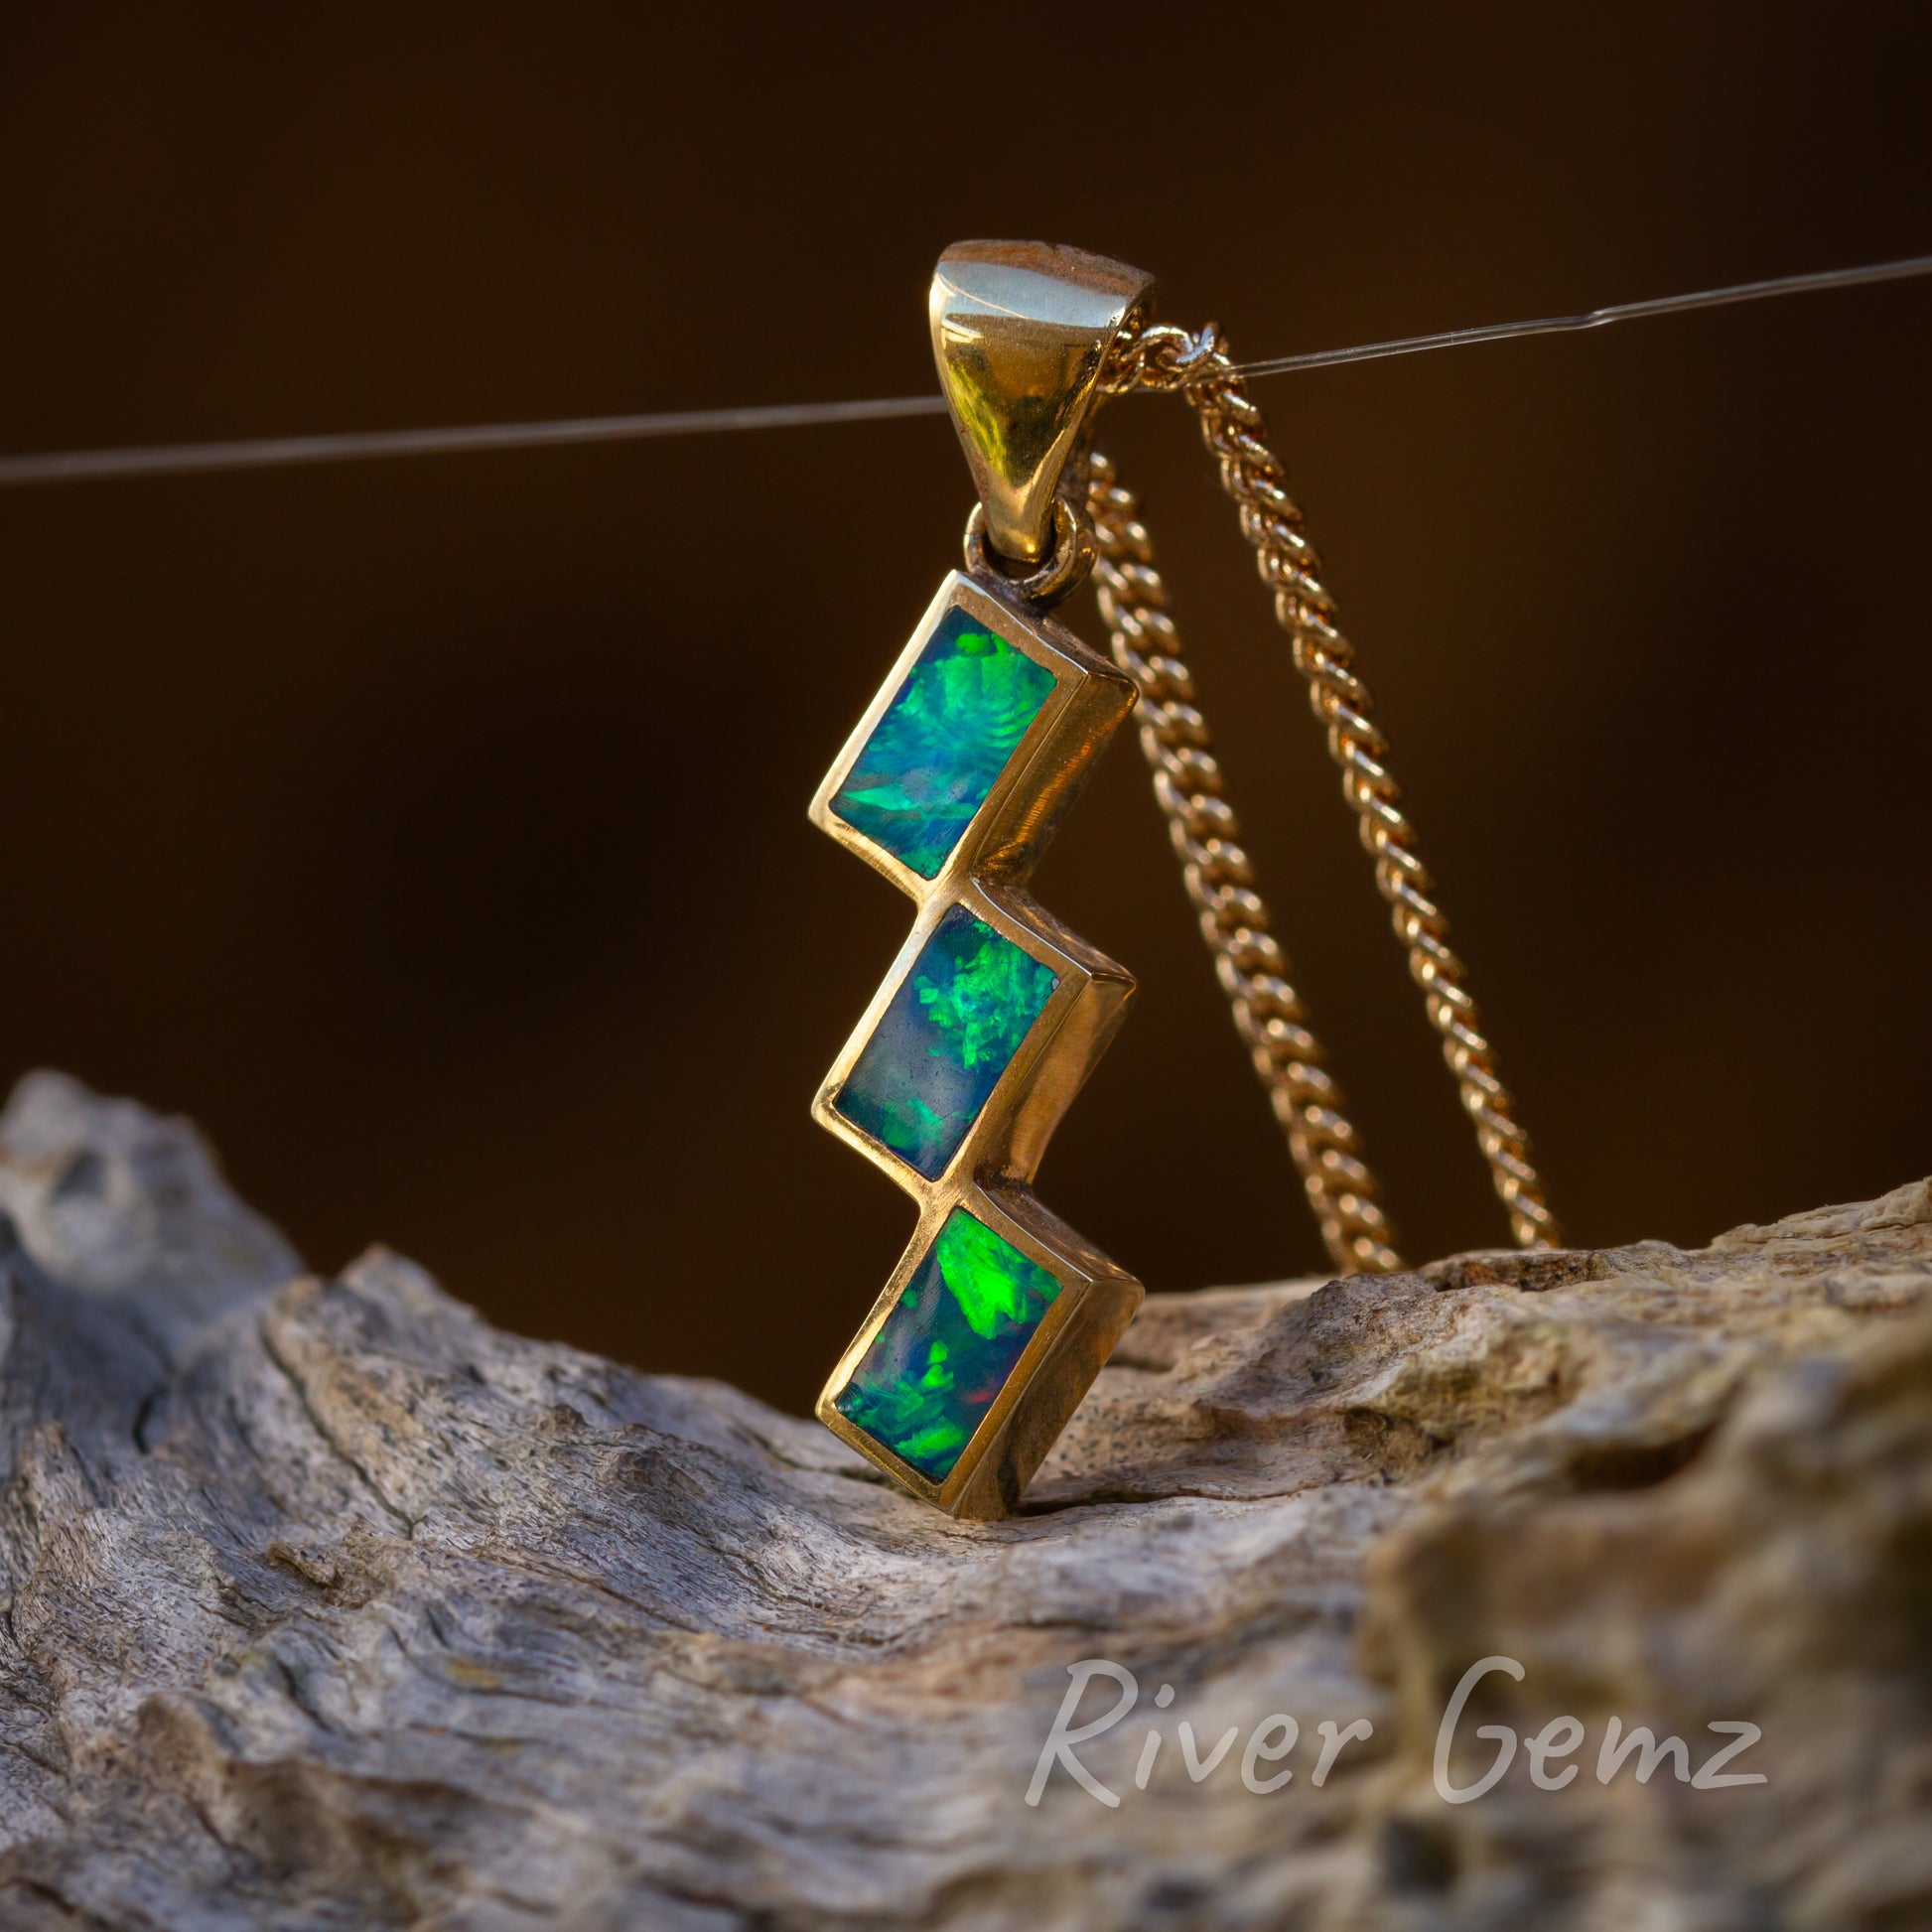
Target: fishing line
{"type": "Point", "coordinates": [269, 452]}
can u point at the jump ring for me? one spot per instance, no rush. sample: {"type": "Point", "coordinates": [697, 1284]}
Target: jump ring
{"type": "Point", "coordinates": [1066, 566]}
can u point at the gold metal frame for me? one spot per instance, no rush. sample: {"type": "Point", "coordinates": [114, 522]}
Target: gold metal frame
{"type": "Point", "coordinates": [991, 1173]}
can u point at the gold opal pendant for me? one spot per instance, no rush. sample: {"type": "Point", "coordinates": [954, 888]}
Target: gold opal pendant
{"type": "Point", "coordinates": [999, 1316]}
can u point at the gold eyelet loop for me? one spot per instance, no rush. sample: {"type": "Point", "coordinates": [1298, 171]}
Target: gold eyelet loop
{"type": "Point", "coordinates": [1065, 570]}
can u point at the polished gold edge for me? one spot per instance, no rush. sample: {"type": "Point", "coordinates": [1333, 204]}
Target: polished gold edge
{"type": "Point", "coordinates": [1089, 699]}
{"type": "Point", "coordinates": [1053, 1060]}
{"type": "Point", "coordinates": [1095, 1302]}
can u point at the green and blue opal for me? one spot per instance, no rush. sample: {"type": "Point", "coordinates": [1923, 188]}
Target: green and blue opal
{"type": "Point", "coordinates": [954, 1335]}
{"type": "Point", "coordinates": [942, 744]}
{"type": "Point", "coordinates": [940, 1046]}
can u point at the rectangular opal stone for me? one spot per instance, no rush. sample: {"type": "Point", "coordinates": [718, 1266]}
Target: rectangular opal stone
{"type": "Point", "coordinates": [943, 743]}
{"type": "Point", "coordinates": [953, 1336]}
{"type": "Point", "coordinates": [939, 1048]}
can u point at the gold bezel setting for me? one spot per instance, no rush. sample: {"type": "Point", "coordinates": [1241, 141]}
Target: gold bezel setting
{"type": "Point", "coordinates": [989, 1173]}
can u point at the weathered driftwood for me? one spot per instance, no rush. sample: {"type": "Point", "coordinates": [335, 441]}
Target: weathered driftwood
{"type": "Point", "coordinates": [326, 1605]}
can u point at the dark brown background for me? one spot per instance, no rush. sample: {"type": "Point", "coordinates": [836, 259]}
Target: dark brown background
{"type": "Point", "coordinates": [434, 831]}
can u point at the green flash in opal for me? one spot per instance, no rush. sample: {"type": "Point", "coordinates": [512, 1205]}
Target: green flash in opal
{"type": "Point", "coordinates": [934, 757]}
{"type": "Point", "coordinates": [946, 1351]}
{"type": "Point", "coordinates": [940, 1046]}
{"type": "Point", "coordinates": [980, 999]}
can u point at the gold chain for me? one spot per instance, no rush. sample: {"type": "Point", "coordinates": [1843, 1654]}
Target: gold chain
{"type": "Point", "coordinates": [1248, 958]}
{"type": "Point", "coordinates": [1199, 369]}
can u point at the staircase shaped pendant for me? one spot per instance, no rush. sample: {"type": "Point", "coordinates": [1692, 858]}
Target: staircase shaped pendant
{"type": "Point", "coordinates": [999, 1316]}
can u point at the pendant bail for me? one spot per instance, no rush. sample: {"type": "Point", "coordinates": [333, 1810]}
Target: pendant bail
{"type": "Point", "coordinates": [1020, 332]}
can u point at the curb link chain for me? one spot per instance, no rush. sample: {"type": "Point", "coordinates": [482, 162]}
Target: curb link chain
{"type": "Point", "coordinates": [1248, 958]}
{"type": "Point", "coordinates": [1198, 368]}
